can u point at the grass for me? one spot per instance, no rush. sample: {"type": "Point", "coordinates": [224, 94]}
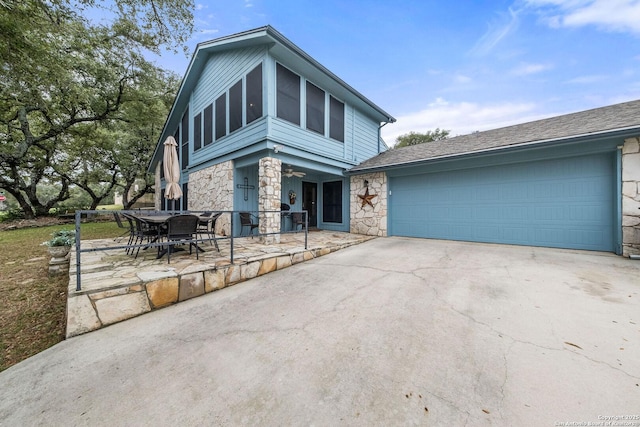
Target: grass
{"type": "Point", "coordinates": [33, 304]}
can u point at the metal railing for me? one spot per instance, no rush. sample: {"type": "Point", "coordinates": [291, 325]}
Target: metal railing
{"type": "Point", "coordinates": [92, 214]}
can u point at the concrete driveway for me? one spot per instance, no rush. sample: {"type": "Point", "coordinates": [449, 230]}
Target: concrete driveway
{"type": "Point", "coordinates": [394, 331]}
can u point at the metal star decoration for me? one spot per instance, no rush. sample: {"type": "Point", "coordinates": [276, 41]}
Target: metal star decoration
{"type": "Point", "coordinates": [366, 198]}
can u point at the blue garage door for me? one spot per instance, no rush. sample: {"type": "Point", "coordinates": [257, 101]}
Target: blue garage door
{"type": "Point", "coordinates": [563, 203]}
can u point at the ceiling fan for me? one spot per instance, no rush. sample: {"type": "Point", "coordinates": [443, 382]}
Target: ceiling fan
{"type": "Point", "coordinates": [289, 172]}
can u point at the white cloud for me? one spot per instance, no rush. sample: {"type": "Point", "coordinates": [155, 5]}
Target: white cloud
{"type": "Point", "coordinates": [209, 31]}
{"type": "Point", "coordinates": [462, 79]}
{"type": "Point", "coordinates": [610, 15]}
{"type": "Point", "coordinates": [461, 118]}
{"type": "Point", "coordinates": [497, 31]}
{"type": "Point", "coordinates": [587, 80]}
{"type": "Point", "coordinates": [527, 69]}
{"type": "Point", "coordinates": [200, 6]}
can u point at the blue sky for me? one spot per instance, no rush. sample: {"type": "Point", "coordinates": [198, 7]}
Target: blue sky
{"type": "Point", "coordinates": [460, 65]}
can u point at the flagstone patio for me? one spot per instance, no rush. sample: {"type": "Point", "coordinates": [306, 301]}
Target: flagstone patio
{"type": "Point", "coordinates": [116, 286]}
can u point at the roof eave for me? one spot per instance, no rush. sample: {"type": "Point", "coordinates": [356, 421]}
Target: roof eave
{"type": "Point", "coordinates": [620, 132]}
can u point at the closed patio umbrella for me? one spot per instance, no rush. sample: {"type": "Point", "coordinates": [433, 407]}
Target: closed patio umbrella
{"type": "Point", "coordinates": [171, 166]}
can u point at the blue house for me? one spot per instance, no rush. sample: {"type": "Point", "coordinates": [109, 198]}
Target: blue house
{"type": "Point", "coordinates": [259, 123]}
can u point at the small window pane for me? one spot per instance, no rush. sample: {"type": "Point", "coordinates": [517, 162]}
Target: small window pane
{"type": "Point", "coordinates": [185, 196]}
{"type": "Point", "coordinates": [235, 106]}
{"type": "Point", "coordinates": [332, 201]}
{"type": "Point", "coordinates": [197, 132]}
{"type": "Point", "coordinates": [288, 92]}
{"type": "Point", "coordinates": [221, 116]}
{"type": "Point", "coordinates": [208, 125]}
{"type": "Point", "coordinates": [336, 121]}
{"type": "Point", "coordinates": [184, 157]}
{"type": "Point", "coordinates": [315, 108]}
{"type": "Point", "coordinates": [254, 94]}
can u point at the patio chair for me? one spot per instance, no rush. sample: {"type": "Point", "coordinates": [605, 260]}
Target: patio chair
{"type": "Point", "coordinates": [182, 229]}
{"type": "Point", "coordinates": [141, 231]}
{"type": "Point", "coordinates": [121, 225]}
{"type": "Point", "coordinates": [284, 214]}
{"type": "Point", "coordinates": [207, 225]}
{"type": "Point", "coordinates": [297, 219]}
{"type": "Point", "coordinates": [248, 221]}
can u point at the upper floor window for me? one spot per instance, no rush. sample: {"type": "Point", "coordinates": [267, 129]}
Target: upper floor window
{"type": "Point", "coordinates": [315, 108]}
{"type": "Point", "coordinates": [197, 132]}
{"type": "Point", "coordinates": [208, 125]}
{"type": "Point", "coordinates": [185, 140]}
{"type": "Point", "coordinates": [254, 94]}
{"type": "Point", "coordinates": [336, 119]}
{"type": "Point", "coordinates": [235, 106]}
{"type": "Point", "coordinates": [288, 95]}
{"type": "Point", "coordinates": [221, 116]}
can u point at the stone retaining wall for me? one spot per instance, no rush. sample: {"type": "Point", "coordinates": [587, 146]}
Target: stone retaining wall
{"type": "Point", "coordinates": [371, 221]}
{"type": "Point", "coordinates": [91, 310]}
{"type": "Point", "coordinates": [631, 197]}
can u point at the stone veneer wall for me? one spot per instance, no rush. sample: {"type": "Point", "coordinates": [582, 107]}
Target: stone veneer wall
{"type": "Point", "coordinates": [211, 189]}
{"type": "Point", "coordinates": [631, 197]}
{"type": "Point", "coordinates": [269, 196]}
{"type": "Point", "coordinates": [371, 221]}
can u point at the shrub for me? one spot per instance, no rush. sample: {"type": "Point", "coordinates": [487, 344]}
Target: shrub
{"type": "Point", "coordinates": [61, 238]}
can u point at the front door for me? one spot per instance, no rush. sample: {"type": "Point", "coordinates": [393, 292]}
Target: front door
{"type": "Point", "coordinates": [309, 201]}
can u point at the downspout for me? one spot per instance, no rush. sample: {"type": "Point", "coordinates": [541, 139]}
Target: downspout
{"type": "Point", "coordinates": [380, 133]}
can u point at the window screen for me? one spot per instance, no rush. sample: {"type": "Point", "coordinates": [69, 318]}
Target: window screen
{"type": "Point", "coordinates": [288, 92]}
{"type": "Point", "coordinates": [254, 94]}
{"type": "Point", "coordinates": [235, 106]}
{"type": "Point", "coordinates": [208, 125]}
{"type": "Point", "coordinates": [221, 116]}
{"type": "Point", "coordinates": [185, 196]}
{"type": "Point", "coordinates": [315, 108]}
{"type": "Point", "coordinates": [332, 201]}
{"type": "Point", "coordinates": [185, 140]}
{"type": "Point", "coordinates": [197, 132]}
{"type": "Point", "coordinates": [336, 120]}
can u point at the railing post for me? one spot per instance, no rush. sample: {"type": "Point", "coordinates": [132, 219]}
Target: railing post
{"type": "Point", "coordinates": [306, 229]}
{"type": "Point", "coordinates": [78, 284]}
{"type": "Point", "coordinates": [231, 234]}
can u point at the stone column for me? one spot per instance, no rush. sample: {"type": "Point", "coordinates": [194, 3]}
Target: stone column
{"type": "Point", "coordinates": [269, 195]}
{"type": "Point", "coordinates": [369, 204]}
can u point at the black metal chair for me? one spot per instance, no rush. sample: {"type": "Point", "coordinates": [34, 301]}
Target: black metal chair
{"type": "Point", "coordinates": [297, 219]}
{"type": "Point", "coordinates": [141, 232]}
{"type": "Point", "coordinates": [248, 221]}
{"type": "Point", "coordinates": [207, 225]}
{"type": "Point", "coordinates": [182, 229]}
{"type": "Point", "coordinates": [284, 214]}
{"type": "Point", "coordinates": [132, 232]}
{"type": "Point", "coordinates": [121, 225]}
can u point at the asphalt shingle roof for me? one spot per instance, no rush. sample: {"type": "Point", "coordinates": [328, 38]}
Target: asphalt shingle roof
{"type": "Point", "coordinates": [598, 120]}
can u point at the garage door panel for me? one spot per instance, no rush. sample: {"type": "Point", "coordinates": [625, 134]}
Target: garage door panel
{"type": "Point", "coordinates": [559, 203]}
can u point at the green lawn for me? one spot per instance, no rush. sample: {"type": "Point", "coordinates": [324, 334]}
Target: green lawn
{"type": "Point", "coordinates": [33, 304]}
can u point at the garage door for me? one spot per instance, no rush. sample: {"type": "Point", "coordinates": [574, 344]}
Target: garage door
{"type": "Point", "coordinates": [563, 203]}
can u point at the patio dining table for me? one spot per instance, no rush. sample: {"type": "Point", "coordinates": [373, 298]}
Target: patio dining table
{"type": "Point", "coordinates": [158, 221]}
